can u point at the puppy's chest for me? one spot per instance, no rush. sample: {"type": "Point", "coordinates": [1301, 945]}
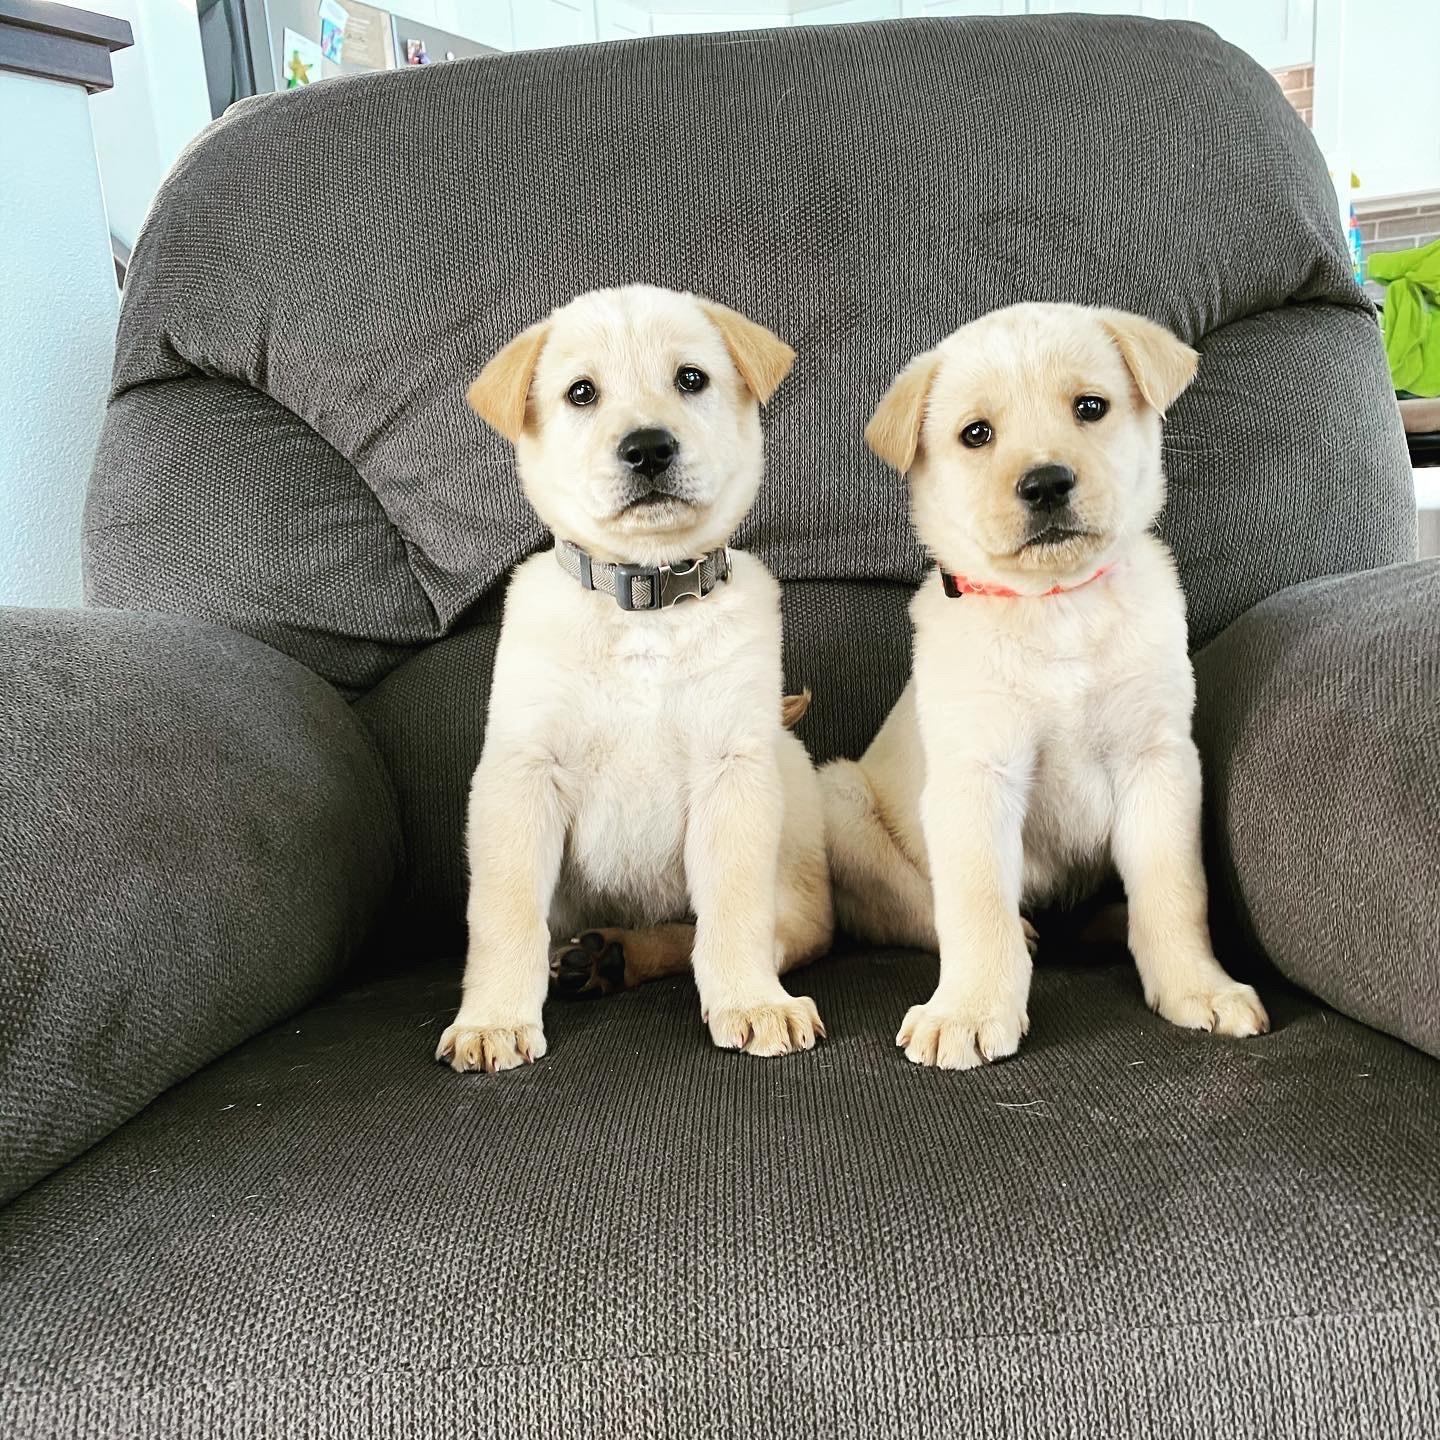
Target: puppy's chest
{"type": "Point", "coordinates": [645, 683]}
{"type": "Point", "coordinates": [1077, 709]}
{"type": "Point", "coordinates": [628, 746]}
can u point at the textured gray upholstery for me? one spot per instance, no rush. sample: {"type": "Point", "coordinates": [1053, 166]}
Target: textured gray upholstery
{"type": "Point", "coordinates": [863, 189]}
{"type": "Point", "coordinates": [1285, 460]}
{"type": "Point", "coordinates": [428, 719]}
{"type": "Point", "coordinates": [1319, 721]}
{"type": "Point", "coordinates": [211, 500]}
{"type": "Point", "coordinates": [1128, 1230]}
{"type": "Point", "coordinates": [195, 836]}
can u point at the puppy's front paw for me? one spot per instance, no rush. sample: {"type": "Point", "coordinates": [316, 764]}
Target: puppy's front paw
{"type": "Point", "coordinates": [774, 1028]}
{"type": "Point", "coordinates": [490, 1047]}
{"type": "Point", "coordinates": [961, 1036]}
{"type": "Point", "coordinates": [1226, 1009]}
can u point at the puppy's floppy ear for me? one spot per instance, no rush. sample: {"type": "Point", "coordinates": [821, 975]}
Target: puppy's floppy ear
{"type": "Point", "coordinates": [499, 393]}
{"type": "Point", "coordinates": [894, 429]}
{"type": "Point", "coordinates": [762, 357]}
{"type": "Point", "coordinates": [1160, 365]}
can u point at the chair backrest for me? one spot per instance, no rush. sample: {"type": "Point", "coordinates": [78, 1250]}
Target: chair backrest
{"type": "Point", "coordinates": [288, 450]}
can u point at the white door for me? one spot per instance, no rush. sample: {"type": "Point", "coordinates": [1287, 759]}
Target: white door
{"type": "Point", "coordinates": [1277, 33]}
{"type": "Point", "coordinates": [539, 24]}
{"type": "Point", "coordinates": [620, 20]}
{"type": "Point", "coordinates": [1155, 9]}
{"type": "Point", "coordinates": [918, 8]}
{"type": "Point", "coordinates": [841, 12]}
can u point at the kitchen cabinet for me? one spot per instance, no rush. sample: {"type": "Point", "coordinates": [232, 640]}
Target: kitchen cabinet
{"type": "Point", "coordinates": [1278, 33]}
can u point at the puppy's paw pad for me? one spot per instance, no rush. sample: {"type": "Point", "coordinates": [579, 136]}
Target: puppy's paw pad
{"type": "Point", "coordinates": [961, 1037]}
{"type": "Point", "coordinates": [1232, 1009]}
{"type": "Point", "coordinates": [490, 1048]}
{"type": "Point", "coordinates": [593, 964]}
{"type": "Point", "coordinates": [768, 1029]}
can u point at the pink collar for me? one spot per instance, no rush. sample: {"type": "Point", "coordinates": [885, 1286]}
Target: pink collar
{"type": "Point", "coordinates": [958, 585]}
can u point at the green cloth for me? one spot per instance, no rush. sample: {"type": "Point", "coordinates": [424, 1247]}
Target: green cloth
{"type": "Point", "coordinates": [1411, 317]}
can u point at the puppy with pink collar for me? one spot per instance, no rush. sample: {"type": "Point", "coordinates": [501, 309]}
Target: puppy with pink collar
{"type": "Point", "coordinates": [1044, 737]}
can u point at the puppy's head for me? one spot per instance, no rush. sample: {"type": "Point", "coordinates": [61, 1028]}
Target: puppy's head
{"type": "Point", "coordinates": [1032, 438]}
{"type": "Point", "coordinates": [635, 419]}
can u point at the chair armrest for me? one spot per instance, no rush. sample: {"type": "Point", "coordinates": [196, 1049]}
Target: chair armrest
{"type": "Point", "coordinates": [195, 836]}
{"type": "Point", "coordinates": [1318, 721]}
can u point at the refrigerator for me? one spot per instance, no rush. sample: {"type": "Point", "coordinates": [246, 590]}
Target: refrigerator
{"type": "Point", "coordinates": [254, 46]}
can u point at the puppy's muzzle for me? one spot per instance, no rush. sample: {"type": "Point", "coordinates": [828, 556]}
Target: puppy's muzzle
{"type": "Point", "coordinates": [1046, 493]}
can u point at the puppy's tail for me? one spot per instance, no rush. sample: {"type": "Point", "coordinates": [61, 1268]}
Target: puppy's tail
{"type": "Point", "coordinates": [793, 708]}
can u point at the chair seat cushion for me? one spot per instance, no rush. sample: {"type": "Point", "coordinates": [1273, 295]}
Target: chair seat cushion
{"type": "Point", "coordinates": [1125, 1229]}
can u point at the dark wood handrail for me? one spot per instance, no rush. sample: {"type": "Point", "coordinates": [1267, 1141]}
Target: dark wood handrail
{"type": "Point", "coordinates": [58, 42]}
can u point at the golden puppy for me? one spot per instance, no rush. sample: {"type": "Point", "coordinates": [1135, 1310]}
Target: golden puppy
{"type": "Point", "coordinates": [635, 769]}
{"type": "Point", "coordinates": [1045, 733]}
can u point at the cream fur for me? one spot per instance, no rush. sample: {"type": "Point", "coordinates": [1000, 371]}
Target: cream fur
{"type": "Point", "coordinates": [635, 768]}
{"type": "Point", "coordinates": [1043, 738]}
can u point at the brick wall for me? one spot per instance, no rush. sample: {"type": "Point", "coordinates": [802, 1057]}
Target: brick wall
{"type": "Point", "coordinates": [1399, 224]}
{"type": "Point", "coordinates": [1298, 83]}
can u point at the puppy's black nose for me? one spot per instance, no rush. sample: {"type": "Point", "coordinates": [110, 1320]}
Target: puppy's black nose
{"type": "Point", "coordinates": [648, 452]}
{"type": "Point", "coordinates": [1046, 487]}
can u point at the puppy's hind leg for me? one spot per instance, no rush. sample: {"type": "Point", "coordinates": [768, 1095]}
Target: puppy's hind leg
{"type": "Point", "coordinates": [599, 961]}
{"type": "Point", "coordinates": [880, 893]}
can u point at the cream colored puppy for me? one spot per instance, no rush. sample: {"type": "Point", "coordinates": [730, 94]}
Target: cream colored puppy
{"type": "Point", "coordinates": [635, 769]}
{"type": "Point", "coordinates": [1045, 734]}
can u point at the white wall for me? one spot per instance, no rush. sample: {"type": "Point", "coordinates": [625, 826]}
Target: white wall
{"type": "Point", "coordinates": [57, 333]}
{"type": "Point", "coordinates": [159, 104]}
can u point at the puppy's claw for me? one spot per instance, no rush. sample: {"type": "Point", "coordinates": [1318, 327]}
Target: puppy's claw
{"type": "Point", "coordinates": [490, 1049]}
{"type": "Point", "coordinates": [1231, 1009]}
{"type": "Point", "coordinates": [960, 1037]}
{"type": "Point", "coordinates": [769, 1028]}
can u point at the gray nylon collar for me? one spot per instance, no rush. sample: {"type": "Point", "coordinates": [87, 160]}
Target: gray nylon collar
{"type": "Point", "coordinates": [646, 587]}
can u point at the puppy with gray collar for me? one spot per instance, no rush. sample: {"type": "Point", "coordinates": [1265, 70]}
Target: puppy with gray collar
{"type": "Point", "coordinates": [636, 772]}
{"type": "Point", "coordinates": [1045, 734]}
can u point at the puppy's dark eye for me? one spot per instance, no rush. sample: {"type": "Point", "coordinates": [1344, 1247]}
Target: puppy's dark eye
{"type": "Point", "coordinates": [582, 392]}
{"type": "Point", "coordinates": [1090, 408]}
{"type": "Point", "coordinates": [977, 434]}
{"type": "Point", "coordinates": [691, 380]}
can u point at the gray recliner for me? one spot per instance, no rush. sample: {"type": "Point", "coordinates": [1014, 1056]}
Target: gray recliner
{"type": "Point", "coordinates": [243, 1200]}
